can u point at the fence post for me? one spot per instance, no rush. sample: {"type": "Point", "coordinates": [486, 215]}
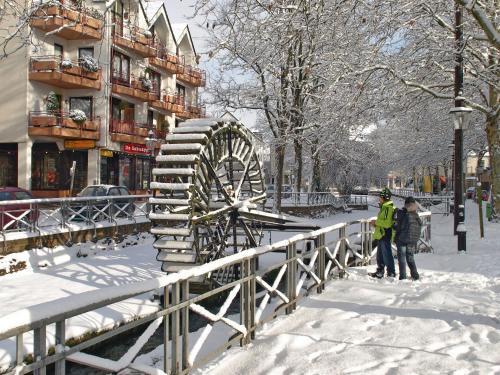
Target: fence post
{"type": "Point", "coordinates": [166, 302]}
{"type": "Point", "coordinates": [19, 349]}
{"type": "Point", "coordinates": [291, 278]}
{"type": "Point", "coordinates": [40, 348]}
{"type": "Point", "coordinates": [342, 250]}
{"type": "Point", "coordinates": [320, 266]}
{"type": "Point", "coordinates": [175, 329]}
{"type": "Point", "coordinates": [60, 365]}
{"type": "Point", "coordinates": [245, 301]}
{"type": "Point", "coordinates": [185, 325]}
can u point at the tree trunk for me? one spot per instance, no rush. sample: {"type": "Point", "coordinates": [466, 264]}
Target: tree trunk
{"type": "Point", "coordinates": [278, 183]}
{"type": "Point", "coordinates": [493, 138]}
{"type": "Point", "coordinates": [316, 177]}
{"type": "Point", "coordinates": [298, 164]}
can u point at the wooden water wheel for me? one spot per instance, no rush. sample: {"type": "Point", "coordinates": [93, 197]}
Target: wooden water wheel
{"type": "Point", "coordinates": [208, 194]}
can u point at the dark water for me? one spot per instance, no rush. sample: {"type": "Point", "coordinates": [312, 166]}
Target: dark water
{"type": "Point", "coordinates": [117, 346]}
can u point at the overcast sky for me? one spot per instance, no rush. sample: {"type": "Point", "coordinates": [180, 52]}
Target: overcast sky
{"type": "Point", "coordinates": [182, 12]}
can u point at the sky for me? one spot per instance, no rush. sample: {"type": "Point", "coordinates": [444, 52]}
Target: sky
{"type": "Point", "coordinates": [183, 12]}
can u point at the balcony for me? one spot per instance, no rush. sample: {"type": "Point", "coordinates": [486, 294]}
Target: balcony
{"type": "Point", "coordinates": [170, 103]}
{"type": "Point", "coordinates": [67, 74]}
{"type": "Point", "coordinates": [191, 76]}
{"type": "Point", "coordinates": [60, 125]}
{"type": "Point", "coordinates": [133, 87]}
{"type": "Point", "coordinates": [135, 39]}
{"type": "Point", "coordinates": [192, 111]}
{"type": "Point", "coordinates": [165, 61]}
{"type": "Point", "coordinates": [128, 131]}
{"type": "Point", "coordinates": [68, 23]}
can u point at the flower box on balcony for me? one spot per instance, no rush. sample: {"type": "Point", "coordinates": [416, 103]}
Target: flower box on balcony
{"type": "Point", "coordinates": [140, 38]}
{"type": "Point", "coordinates": [44, 120]}
{"type": "Point", "coordinates": [180, 69]}
{"type": "Point", "coordinates": [171, 58]}
{"type": "Point", "coordinates": [51, 10]}
{"type": "Point", "coordinates": [90, 75]}
{"type": "Point", "coordinates": [74, 70]}
{"type": "Point", "coordinates": [44, 65]}
{"type": "Point", "coordinates": [93, 23]}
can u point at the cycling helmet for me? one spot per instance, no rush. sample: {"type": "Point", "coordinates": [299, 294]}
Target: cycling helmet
{"type": "Point", "coordinates": [386, 193]}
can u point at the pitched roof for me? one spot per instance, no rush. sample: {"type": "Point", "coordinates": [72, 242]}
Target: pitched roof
{"type": "Point", "coordinates": [180, 31]}
{"type": "Point", "coordinates": [151, 8]}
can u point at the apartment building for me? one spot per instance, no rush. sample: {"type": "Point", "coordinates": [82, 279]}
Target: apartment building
{"type": "Point", "coordinates": [97, 86]}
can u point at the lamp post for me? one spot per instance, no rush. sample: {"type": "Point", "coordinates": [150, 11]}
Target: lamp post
{"type": "Point", "coordinates": [459, 120]}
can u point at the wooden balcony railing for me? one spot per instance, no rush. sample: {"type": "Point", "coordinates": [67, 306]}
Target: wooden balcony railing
{"type": "Point", "coordinates": [166, 61]}
{"type": "Point", "coordinates": [68, 74]}
{"type": "Point", "coordinates": [133, 132]}
{"type": "Point", "coordinates": [169, 103]}
{"type": "Point", "coordinates": [192, 76]}
{"type": "Point", "coordinates": [134, 87]}
{"type": "Point", "coordinates": [192, 111]}
{"type": "Point", "coordinates": [68, 22]}
{"type": "Point", "coordinates": [134, 39]}
{"type": "Point", "coordinates": [58, 124]}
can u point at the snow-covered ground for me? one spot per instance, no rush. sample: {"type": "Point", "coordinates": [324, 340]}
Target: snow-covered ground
{"type": "Point", "coordinates": [54, 273]}
{"type": "Point", "coordinates": [446, 323]}
{"type": "Point", "coordinates": [449, 318]}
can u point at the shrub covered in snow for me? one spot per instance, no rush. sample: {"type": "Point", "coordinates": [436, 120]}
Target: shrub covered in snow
{"type": "Point", "coordinates": [78, 116]}
{"type": "Point", "coordinates": [146, 83]}
{"type": "Point", "coordinates": [52, 102]}
{"type": "Point", "coordinates": [89, 64]}
{"type": "Point", "coordinates": [66, 64]}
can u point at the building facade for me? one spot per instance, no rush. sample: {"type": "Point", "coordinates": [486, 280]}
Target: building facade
{"type": "Point", "coordinates": [99, 86]}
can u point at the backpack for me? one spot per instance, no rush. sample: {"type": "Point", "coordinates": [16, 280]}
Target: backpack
{"type": "Point", "coordinates": [415, 228]}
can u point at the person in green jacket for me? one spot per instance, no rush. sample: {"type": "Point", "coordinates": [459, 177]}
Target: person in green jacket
{"type": "Point", "coordinates": [383, 234]}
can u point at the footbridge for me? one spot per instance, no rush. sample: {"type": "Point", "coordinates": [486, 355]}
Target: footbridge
{"type": "Point", "coordinates": [289, 270]}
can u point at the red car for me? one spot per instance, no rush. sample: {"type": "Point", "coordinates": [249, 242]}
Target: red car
{"type": "Point", "coordinates": [10, 212]}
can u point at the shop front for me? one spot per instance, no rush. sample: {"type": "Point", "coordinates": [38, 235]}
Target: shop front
{"type": "Point", "coordinates": [8, 163]}
{"type": "Point", "coordinates": [50, 169]}
{"type": "Point", "coordinates": [130, 167]}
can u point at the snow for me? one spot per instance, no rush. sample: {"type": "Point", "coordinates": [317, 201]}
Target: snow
{"type": "Point", "coordinates": [445, 323]}
{"type": "Point", "coordinates": [448, 322]}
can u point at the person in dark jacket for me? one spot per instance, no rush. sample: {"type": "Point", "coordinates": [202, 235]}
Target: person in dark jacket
{"type": "Point", "coordinates": [408, 228]}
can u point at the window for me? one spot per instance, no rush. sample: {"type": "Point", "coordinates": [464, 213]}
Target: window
{"type": "Point", "coordinates": [151, 116]}
{"type": "Point", "coordinates": [142, 173]}
{"type": "Point", "coordinates": [156, 80]}
{"type": "Point", "coordinates": [125, 171]}
{"type": "Point", "coordinates": [58, 50]}
{"type": "Point", "coordinates": [84, 104]}
{"type": "Point", "coordinates": [114, 192]}
{"type": "Point", "coordinates": [121, 67]}
{"type": "Point", "coordinates": [5, 196]}
{"type": "Point", "coordinates": [181, 94]}
{"type": "Point", "coordinates": [117, 13]}
{"type": "Point", "coordinates": [85, 52]}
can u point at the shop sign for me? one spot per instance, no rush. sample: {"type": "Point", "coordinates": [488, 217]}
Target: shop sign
{"type": "Point", "coordinates": [79, 144]}
{"type": "Point", "coordinates": [136, 149]}
{"type": "Point", "coordinates": [106, 153]}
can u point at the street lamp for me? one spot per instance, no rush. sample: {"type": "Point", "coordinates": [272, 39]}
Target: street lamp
{"type": "Point", "coordinates": [460, 115]}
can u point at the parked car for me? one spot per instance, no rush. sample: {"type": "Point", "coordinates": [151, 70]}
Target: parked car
{"type": "Point", "coordinates": [9, 212]}
{"type": "Point", "coordinates": [470, 193]}
{"type": "Point", "coordinates": [125, 204]}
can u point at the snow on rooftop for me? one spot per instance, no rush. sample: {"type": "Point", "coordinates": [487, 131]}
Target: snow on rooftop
{"type": "Point", "coordinates": [178, 29]}
{"type": "Point", "coordinates": [152, 7]}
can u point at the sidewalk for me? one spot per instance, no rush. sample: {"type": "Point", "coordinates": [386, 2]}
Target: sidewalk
{"type": "Point", "coordinates": [446, 323]}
